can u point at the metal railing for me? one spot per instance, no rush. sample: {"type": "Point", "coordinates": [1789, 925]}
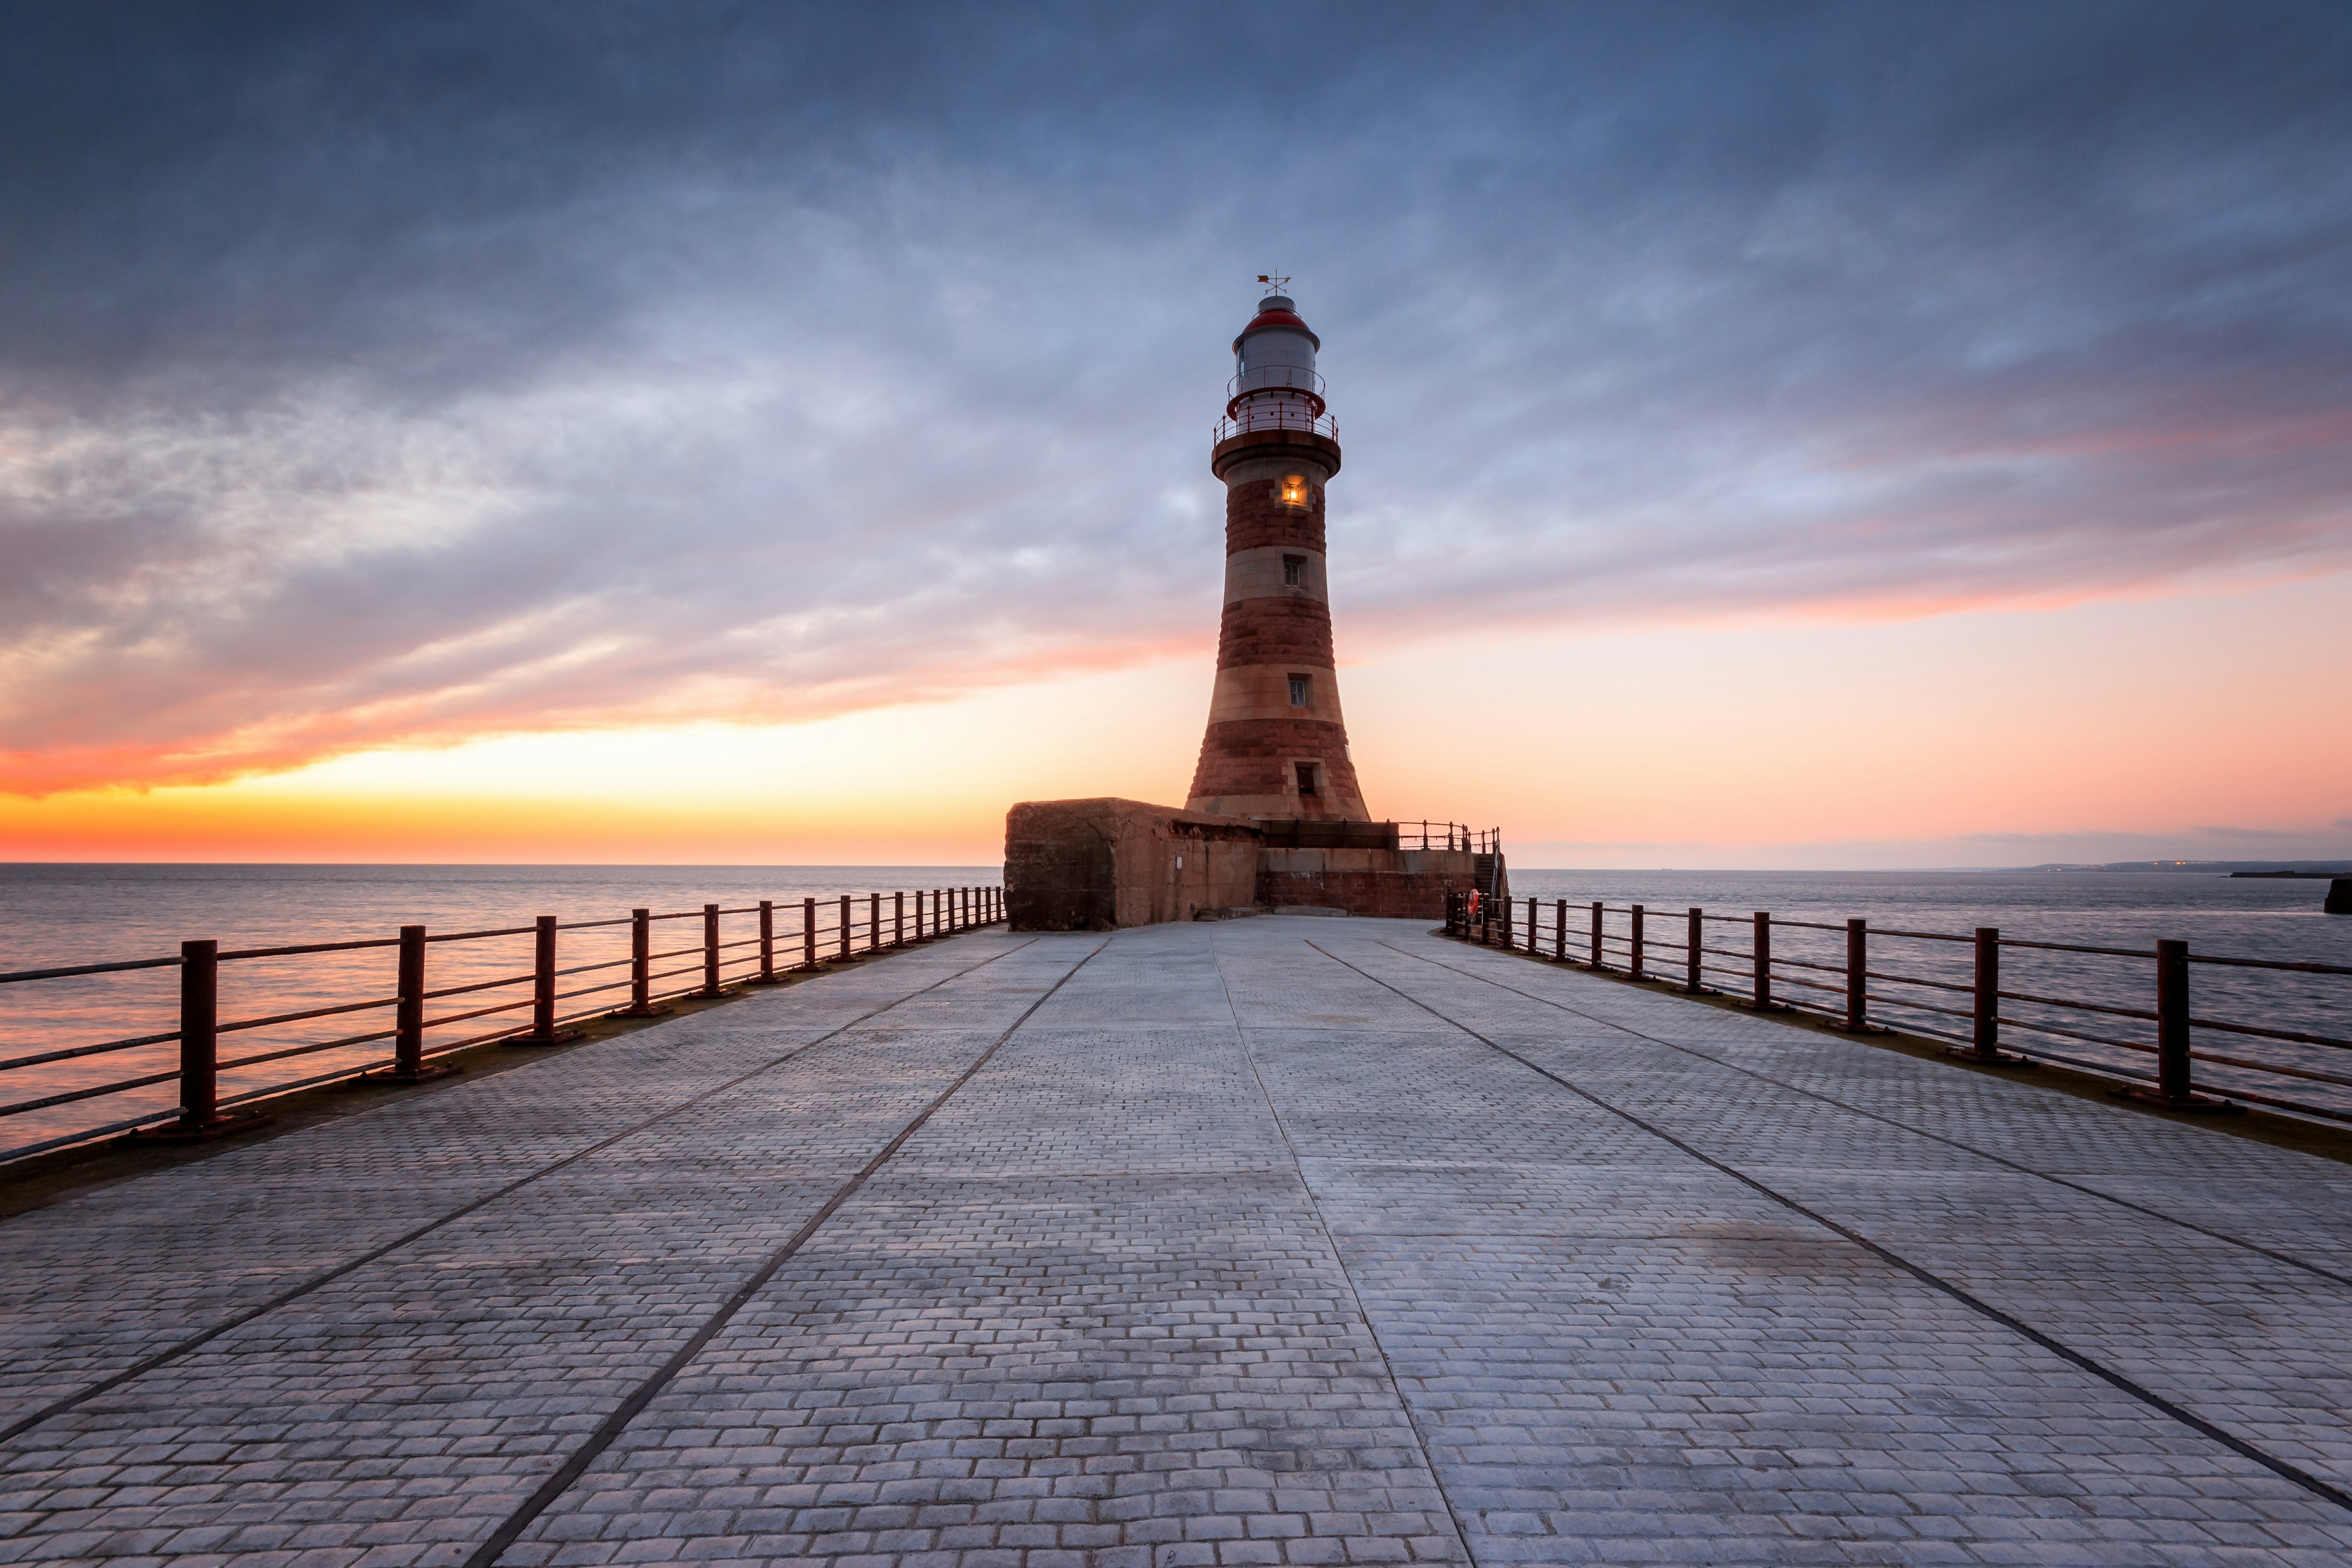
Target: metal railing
{"type": "Point", "coordinates": [713, 965]}
{"type": "Point", "coordinates": [1452, 835]}
{"type": "Point", "coordinates": [1284, 412]}
{"type": "Point", "coordinates": [1977, 1014]}
{"type": "Point", "coordinates": [1276, 378]}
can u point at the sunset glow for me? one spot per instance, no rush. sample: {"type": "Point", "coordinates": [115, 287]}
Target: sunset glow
{"type": "Point", "coordinates": [1933, 448]}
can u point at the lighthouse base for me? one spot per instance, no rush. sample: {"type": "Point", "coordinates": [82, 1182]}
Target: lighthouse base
{"type": "Point", "coordinates": [1104, 864]}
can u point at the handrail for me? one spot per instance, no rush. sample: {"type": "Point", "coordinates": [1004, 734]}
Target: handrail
{"type": "Point", "coordinates": [793, 936]}
{"type": "Point", "coordinates": [1631, 940]}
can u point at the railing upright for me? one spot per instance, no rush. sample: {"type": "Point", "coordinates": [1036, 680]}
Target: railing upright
{"type": "Point", "coordinates": [408, 1028]}
{"type": "Point", "coordinates": [899, 920]}
{"type": "Point", "coordinates": [1636, 970]}
{"type": "Point", "coordinates": [1857, 979]}
{"type": "Point", "coordinates": [543, 1031]}
{"type": "Point", "coordinates": [845, 927]}
{"type": "Point", "coordinates": [710, 988]}
{"type": "Point", "coordinates": [1760, 980]}
{"type": "Point", "coordinates": [767, 975]}
{"type": "Point", "coordinates": [1984, 1021]}
{"type": "Point", "coordinates": [2175, 1087]}
{"type": "Point", "coordinates": [1694, 948]}
{"type": "Point", "coordinates": [1984, 1007]}
{"type": "Point", "coordinates": [1531, 923]}
{"type": "Point", "coordinates": [199, 1035]}
{"type": "Point", "coordinates": [408, 1018]}
{"type": "Point", "coordinates": [1599, 930]}
{"type": "Point", "coordinates": [200, 1118]}
{"type": "Point", "coordinates": [808, 933]}
{"type": "Point", "coordinates": [873, 922]}
{"type": "Point", "coordinates": [1559, 929]}
{"type": "Point", "coordinates": [542, 977]}
{"type": "Point", "coordinates": [641, 970]}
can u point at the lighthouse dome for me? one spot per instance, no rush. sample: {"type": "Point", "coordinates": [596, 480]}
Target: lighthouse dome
{"type": "Point", "coordinates": [1276, 351]}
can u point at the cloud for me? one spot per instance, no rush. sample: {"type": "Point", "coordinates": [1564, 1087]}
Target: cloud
{"type": "Point", "coordinates": [391, 378]}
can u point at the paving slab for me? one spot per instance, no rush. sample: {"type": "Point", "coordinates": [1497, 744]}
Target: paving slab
{"type": "Point", "coordinates": [1265, 1241]}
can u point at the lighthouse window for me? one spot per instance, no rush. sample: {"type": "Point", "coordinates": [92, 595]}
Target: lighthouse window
{"type": "Point", "coordinates": [1302, 692]}
{"type": "Point", "coordinates": [1291, 566]}
{"type": "Point", "coordinates": [1307, 778]}
{"type": "Point", "coordinates": [1293, 490]}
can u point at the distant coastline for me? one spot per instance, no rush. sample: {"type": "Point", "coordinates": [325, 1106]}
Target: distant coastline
{"type": "Point", "coordinates": [2319, 869]}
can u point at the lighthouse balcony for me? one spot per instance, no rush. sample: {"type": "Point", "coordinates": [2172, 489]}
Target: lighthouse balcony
{"type": "Point", "coordinates": [1259, 412]}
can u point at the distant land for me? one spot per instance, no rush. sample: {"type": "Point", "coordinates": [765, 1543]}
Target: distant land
{"type": "Point", "coordinates": [2212, 868]}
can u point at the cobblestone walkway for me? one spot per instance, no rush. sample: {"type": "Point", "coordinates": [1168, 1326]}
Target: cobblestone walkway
{"type": "Point", "coordinates": [1284, 1240]}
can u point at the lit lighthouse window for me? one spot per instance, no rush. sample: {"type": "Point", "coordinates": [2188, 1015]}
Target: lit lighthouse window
{"type": "Point", "coordinates": [1293, 490]}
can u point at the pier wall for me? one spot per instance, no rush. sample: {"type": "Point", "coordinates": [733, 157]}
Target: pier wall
{"type": "Point", "coordinates": [1106, 863]}
{"type": "Point", "coordinates": [1393, 884]}
{"type": "Point", "coordinates": [1100, 864]}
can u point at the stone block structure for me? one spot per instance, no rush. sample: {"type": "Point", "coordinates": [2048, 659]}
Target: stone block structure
{"type": "Point", "coordinates": [1098, 865]}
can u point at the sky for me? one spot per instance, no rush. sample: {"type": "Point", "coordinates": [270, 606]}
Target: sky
{"type": "Point", "coordinates": [1775, 435]}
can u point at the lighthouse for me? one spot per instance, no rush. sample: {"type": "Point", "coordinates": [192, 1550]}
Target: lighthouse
{"type": "Point", "coordinates": [1276, 819]}
{"type": "Point", "coordinates": [1276, 746]}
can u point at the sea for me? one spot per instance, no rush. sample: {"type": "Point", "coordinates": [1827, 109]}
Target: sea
{"type": "Point", "coordinates": [57, 915]}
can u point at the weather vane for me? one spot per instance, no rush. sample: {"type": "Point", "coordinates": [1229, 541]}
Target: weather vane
{"type": "Point", "coordinates": [1275, 282]}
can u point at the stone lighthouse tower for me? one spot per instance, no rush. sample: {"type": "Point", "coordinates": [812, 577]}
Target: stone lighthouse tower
{"type": "Point", "coordinates": [1276, 746]}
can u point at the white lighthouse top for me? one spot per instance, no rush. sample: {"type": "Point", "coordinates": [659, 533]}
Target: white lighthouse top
{"type": "Point", "coordinates": [1274, 386]}
{"type": "Point", "coordinates": [1277, 350]}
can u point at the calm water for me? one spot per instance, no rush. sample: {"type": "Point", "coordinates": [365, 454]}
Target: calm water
{"type": "Point", "coordinates": [57, 915]}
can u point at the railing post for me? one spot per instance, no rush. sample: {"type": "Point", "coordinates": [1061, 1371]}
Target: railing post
{"type": "Point", "coordinates": [543, 1031]}
{"type": "Point", "coordinates": [1636, 970]}
{"type": "Point", "coordinates": [408, 1017]}
{"type": "Point", "coordinates": [641, 967]}
{"type": "Point", "coordinates": [808, 933]}
{"type": "Point", "coordinates": [710, 953]}
{"type": "Point", "coordinates": [1984, 1025]}
{"type": "Point", "coordinates": [965, 899]}
{"type": "Point", "coordinates": [846, 924]}
{"type": "Point", "coordinates": [200, 1119]}
{"type": "Point", "coordinates": [2172, 1066]}
{"type": "Point", "coordinates": [199, 1035]}
{"type": "Point", "coordinates": [641, 970]}
{"type": "Point", "coordinates": [1559, 929]}
{"type": "Point", "coordinates": [1505, 905]}
{"type": "Point", "coordinates": [542, 977]}
{"type": "Point", "coordinates": [898, 918]}
{"type": "Point", "coordinates": [767, 975]}
{"type": "Point", "coordinates": [1598, 931]}
{"type": "Point", "coordinates": [1760, 981]}
{"type": "Point", "coordinates": [1694, 951]}
{"type": "Point", "coordinates": [1984, 1009]}
{"type": "Point", "coordinates": [2175, 1090]}
{"type": "Point", "coordinates": [919, 933]}
{"type": "Point", "coordinates": [1857, 979]}
{"type": "Point", "coordinates": [873, 922]}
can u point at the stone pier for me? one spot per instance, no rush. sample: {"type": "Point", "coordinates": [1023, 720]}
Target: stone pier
{"type": "Point", "coordinates": [1279, 1240]}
